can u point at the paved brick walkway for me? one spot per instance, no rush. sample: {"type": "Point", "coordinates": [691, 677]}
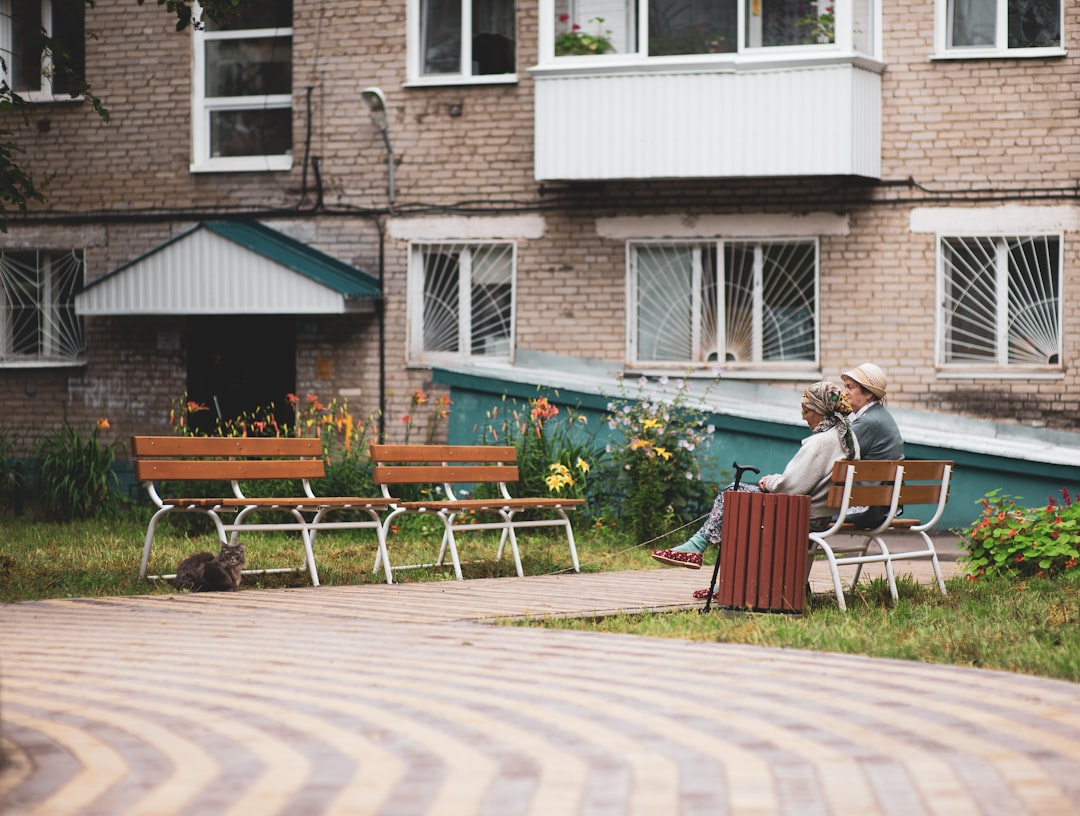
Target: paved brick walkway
{"type": "Point", "coordinates": [398, 700]}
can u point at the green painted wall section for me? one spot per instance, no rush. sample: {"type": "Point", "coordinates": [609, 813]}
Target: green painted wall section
{"type": "Point", "coordinates": [765, 445]}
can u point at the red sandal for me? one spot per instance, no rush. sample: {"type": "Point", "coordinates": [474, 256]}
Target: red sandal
{"type": "Point", "coordinates": [702, 594]}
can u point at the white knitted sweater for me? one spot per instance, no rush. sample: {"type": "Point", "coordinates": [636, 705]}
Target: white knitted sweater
{"type": "Point", "coordinates": [810, 470]}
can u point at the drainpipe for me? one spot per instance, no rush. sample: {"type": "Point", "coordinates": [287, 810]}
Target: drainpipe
{"type": "Point", "coordinates": [381, 310]}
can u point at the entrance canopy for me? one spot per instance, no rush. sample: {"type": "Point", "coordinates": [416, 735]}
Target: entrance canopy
{"type": "Point", "coordinates": [231, 267]}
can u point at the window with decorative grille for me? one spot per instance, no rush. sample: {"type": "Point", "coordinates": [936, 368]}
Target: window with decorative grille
{"type": "Point", "coordinates": [38, 324]}
{"type": "Point", "coordinates": [731, 303]}
{"type": "Point", "coordinates": [461, 301]}
{"type": "Point", "coordinates": [1000, 301]}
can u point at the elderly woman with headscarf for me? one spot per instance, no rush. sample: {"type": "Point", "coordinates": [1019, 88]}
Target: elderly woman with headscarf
{"type": "Point", "coordinates": [826, 410]}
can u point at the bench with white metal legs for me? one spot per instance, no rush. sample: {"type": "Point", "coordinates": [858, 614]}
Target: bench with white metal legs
{"type": "Point", "coordinates": [444, 469]}
{"type": "Point", "coordinates": [188, 459]}
{"type": "Point", "coordinates": [898, 486]}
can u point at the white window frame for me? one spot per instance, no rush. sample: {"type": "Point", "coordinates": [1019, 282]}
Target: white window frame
{"type": "Point", "coordinates": [464, 76]}
{"type": "Point", "coordinates": [44, 91]}
{"type": "Point", "coordinates": [1002, 315]}
{"type": "Point", "coordinates": [50, 320]}
{"type": "Point", "coordinates": [416, 354]}
{"type": "Point", "coordinates": [1000, 49]}
{"type": "Point", "coordinates": [850, 41]}
{"type": "Point", "coordinates": [756, 364]}
{"type": "Point", "coordinates": [203, 106]}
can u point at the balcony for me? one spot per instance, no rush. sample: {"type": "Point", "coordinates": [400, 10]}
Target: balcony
{"type": "Point", "coordinates": [765, 101]}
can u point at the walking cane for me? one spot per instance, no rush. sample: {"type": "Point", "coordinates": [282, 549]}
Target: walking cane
{"type": "Point", "coordinates": [739, 471]}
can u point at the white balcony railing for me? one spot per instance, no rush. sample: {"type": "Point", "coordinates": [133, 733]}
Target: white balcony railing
{"type": "Point", "coordinates": [724, 120]}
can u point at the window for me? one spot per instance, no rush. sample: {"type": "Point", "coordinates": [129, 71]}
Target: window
{"type": "Point", "coordinates": [37, 306]}
{"type": "Point", "coordinates": [728, 303]}
{"type": "Point", "coordinates": [662, 28]}
{"type": "Point", "coordinates": [451, 40]}
{"type": "Point", "coordinates": [982, 27]}
{"type": "Point", "coordinates": [33, 70]}
{"type": "Point", "coordinates": [461, 301]}
{"type": "Point", "coordinates": [1001, 301]}
{"type": "Point", "coordinates": [242, 100]}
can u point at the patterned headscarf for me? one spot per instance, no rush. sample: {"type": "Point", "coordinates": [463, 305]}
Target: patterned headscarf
{"type": "Point", "coordinates": [829, 400]}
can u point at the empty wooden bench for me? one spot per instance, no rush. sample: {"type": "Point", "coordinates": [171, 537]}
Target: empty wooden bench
{"type": "Point", "coordinates": [899, 485]}
{"type": "Point", "coordinates": [447, 469]}
{"type": "Point", "coordinates": [182, 460]}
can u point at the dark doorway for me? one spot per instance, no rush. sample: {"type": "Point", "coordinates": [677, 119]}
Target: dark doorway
{"type": "Point", "coordinates": [241, 365]}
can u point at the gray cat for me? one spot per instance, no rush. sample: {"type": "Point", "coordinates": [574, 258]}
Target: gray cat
{"type": "Point", "coordinates": [206, 572]}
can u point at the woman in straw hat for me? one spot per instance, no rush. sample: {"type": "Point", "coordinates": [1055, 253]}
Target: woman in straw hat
{"type": "Point", "coordinates": [826, 410]}
{"type": "Point", "coordinates": [879, 437]}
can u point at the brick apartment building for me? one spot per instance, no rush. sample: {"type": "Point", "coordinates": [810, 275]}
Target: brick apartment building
{"type": "Point", "coordinates": [772, 188]}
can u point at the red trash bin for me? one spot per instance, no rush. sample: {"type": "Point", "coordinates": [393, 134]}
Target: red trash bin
{"type": "Point", "coordinates": [764, 542]}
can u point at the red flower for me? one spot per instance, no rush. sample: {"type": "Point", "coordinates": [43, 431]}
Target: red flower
{"type": "Point", "coordinates": [563, 18]}
{"type": "Point", "coordinates": [1019, 558]}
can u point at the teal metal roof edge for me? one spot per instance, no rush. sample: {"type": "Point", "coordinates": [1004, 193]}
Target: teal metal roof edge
{"type": "Point", "coordinates": [767, 428]}
{"type": "Point", "coordinates": [298, 256]}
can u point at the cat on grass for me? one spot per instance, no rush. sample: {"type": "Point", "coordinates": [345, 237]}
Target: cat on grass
{"type": "Point", "coordinates": [206, 572]}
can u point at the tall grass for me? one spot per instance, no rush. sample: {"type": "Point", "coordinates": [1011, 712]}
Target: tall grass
{"type": "Point", "coordinates": [101, 557]}
{"type": "Point", "coordinates": [1029, 627]}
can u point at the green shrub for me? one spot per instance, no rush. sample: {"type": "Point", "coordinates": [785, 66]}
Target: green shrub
{"type": "Point", "coordinates": [1008, 539]}
{"type": "Point", "coordinates": [654, 477]}
{"type": "Point", "coordinates": [75, 477]}
{"type": "Point", "coordinates": [556, 450]}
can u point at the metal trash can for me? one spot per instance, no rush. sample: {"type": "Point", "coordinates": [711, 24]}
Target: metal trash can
{"type": "Point", "coordinates": [764, 542]}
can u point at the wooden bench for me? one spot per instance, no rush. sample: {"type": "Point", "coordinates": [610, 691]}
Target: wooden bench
{"type": "Point", "coordinates": [188, 459]}
{"type": "Point", "coordinates": [898, 485]}
{"type": "Point", "coordinates": [446, 469]}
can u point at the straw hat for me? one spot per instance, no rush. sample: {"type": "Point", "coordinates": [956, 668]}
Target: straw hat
{"type": "Point", "coordinates": [870, 377]}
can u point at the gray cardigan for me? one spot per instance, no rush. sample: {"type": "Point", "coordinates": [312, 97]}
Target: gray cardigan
{"type": "Point", "coordinates": [879, 438]}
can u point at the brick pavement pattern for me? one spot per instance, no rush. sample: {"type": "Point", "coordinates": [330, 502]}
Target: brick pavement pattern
{"type": "Point", "coordinates": [400, 700]}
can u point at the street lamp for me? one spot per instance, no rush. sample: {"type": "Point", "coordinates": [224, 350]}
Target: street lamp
{"type": "Point", "coordinates": [376, 102]}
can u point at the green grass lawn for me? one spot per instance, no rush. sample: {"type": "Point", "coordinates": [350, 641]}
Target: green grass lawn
{"type": "Point", "coordinates": [40, 559]}
{"type": "Point", "coordinates": [1028, 626]}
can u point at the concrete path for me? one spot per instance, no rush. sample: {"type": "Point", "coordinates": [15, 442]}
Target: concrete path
{"type": "Point", "coordinates": [401, 700]}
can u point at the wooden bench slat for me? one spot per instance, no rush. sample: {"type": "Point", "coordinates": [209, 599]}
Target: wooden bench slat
{"type": "Point", "coordinates": [485, 504]}
{"type": "Point", "coordinates": [299, 502]}
{"type": "Point", "coordinates": [439, 474]}
{"type": "Point", "coordinates": [866, 470]}
{"type": "Point", "coordinates": [448, 454]}
{"type": "Point", "coordinates": [242, 446]}
{"type": "Point", "coordinates": [919, 493]}
{"type": "Point", "coordinates": [227, 469]}
{"type": "Point", "coordinates": [861, 495]}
